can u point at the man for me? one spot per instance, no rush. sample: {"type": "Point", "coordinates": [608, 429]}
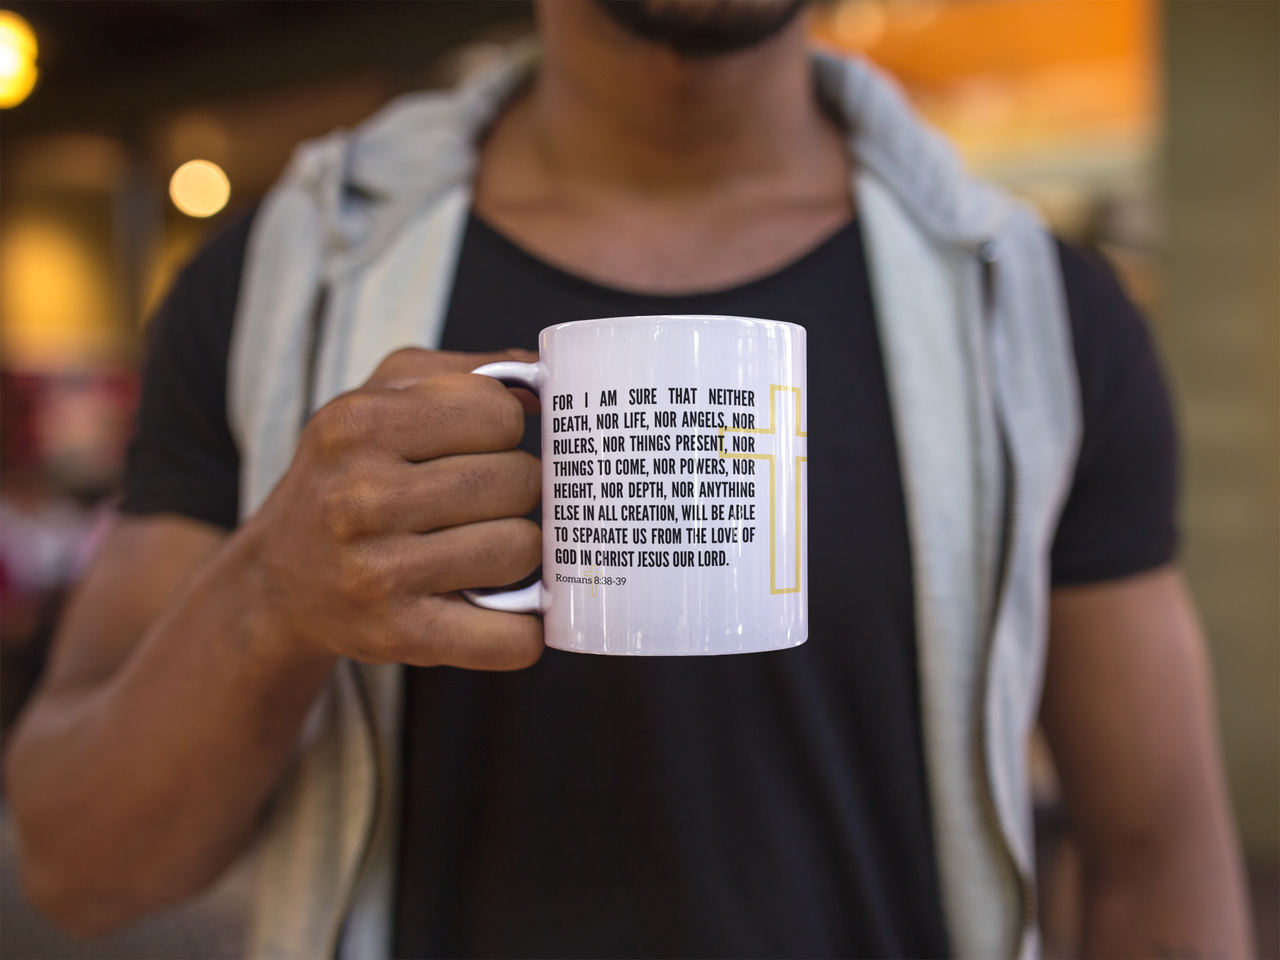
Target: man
{"type": "Point", "coordinates": [861, 794]}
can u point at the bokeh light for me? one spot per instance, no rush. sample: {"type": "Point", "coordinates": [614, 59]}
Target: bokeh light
{"type": "Point", "coordinates": [199, 188]}
{"type": "Point", "coordinates": [55, 296]}
{"type": "Point", "coordinates": [17, 59]}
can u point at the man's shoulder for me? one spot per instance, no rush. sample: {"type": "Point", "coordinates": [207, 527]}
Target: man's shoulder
{"type": "Point", "coordinates": [223, 253]}
{"type": "Point", "coordinates": [1107, 327]}
{"type": "Point", "coordinates": [205, 291]}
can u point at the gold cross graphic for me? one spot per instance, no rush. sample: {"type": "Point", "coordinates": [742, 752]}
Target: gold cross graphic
{"type": "Point", "coordinates": [592, 572]}
{"type": "Point", "coordinates": [784, 449]}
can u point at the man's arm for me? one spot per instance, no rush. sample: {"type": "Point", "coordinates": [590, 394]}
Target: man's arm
{"type": "Point", "coordinates": [188, 660]}
{"type": "Point", "coordinates": [1129, 715]}
{"type": "Point", "coordinates": [155, 736]}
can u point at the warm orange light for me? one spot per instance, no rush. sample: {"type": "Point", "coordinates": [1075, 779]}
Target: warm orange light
{"type": "Point", "coordinates": [17, 59]}
{"type": "Point", "coordinates": [1006, 78]}
{"type": "Point", "coordinates": [55, 297]}
{"type": "Point", "coordinates": [859, 24]}
{"type": "Point", "coordinates": [199, 188]}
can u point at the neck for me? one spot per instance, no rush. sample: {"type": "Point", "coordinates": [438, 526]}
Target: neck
{"type": "Point", "coordinates": [623, 114]}
{"type": "Point", "coordinates": [641, 169]}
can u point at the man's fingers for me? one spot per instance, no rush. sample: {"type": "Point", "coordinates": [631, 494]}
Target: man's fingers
{"type": "Point", "coordinates": [417, 498]}
{"type": "Point", "coordinates": [413, 365]}
{"type": "Point", "coordinates": [448, 414]}
{"type": "Point", "coordinates": [489, 554]}
{"type": "Point", "coordinates": [528, 400]}
{"type": "Point", "coordinates": [456, 633]}
{"type": "Point", "coordinates": [447, 519]}
{"type": "Point", "coordinates": [464, 489]}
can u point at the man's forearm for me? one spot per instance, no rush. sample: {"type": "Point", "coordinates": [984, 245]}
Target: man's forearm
{"type": "Point", "coordinates": [136, 792]}
{"type": "Point", "coordinates": [1129, 714]}
{"type": "Point", "coordinates": [1167, 904]}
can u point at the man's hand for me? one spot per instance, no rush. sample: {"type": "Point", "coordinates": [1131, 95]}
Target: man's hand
{"type": "Point", "coordinates": [1129, 714]}
{"type": "Point", "coordinates": [400, 494]}
{"type": "Point", "coordinates": [188, 659]}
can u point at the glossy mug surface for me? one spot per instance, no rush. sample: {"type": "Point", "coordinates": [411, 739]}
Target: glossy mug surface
{"type": "Point", "coordinates": [674, 486]}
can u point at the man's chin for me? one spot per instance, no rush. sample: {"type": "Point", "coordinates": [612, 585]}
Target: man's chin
{"type": "Point", "coordinates": [703, 28]}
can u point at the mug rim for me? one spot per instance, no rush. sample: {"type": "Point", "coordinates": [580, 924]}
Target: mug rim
{"type": "Point", "coordinates": [669, 316]}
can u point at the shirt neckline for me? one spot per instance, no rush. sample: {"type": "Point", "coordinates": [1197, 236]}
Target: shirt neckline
{"type": "Point", "coordinates": [562, 276]}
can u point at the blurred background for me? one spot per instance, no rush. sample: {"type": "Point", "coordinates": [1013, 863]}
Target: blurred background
{"type": "Point", "coordinates": [1148, 130]}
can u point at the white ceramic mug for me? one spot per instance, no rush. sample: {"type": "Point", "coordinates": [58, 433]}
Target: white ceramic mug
{"type": "Point", "coordinates": [675, 514]}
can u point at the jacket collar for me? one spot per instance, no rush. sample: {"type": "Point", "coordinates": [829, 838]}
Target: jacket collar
{"type": "Point", "coordinates": [369, 181]}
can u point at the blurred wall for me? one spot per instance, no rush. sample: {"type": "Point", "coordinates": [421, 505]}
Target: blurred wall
{"type": "Point", "coordinates": [1220, 334]}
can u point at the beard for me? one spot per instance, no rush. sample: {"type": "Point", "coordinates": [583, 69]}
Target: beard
{"type": "Point", "coordinates": [703, 28]}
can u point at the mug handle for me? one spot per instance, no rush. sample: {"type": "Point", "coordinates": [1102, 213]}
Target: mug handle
{"type": "Point", "coordinates": [527, 599]}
